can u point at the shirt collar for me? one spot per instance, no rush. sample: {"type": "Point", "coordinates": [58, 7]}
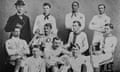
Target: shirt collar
{"type": "Point", "coordinates": [102, 15]}
{"type": "Point", "coordinates": [74, 14]}
{"type": "Point", "coordinates": [77, 32]}
{"type": "Point", "coordinates": [15, 38]}
{"type": "Point", "coordinates": [20, 16]}
{"type": "Point", "coordinates": [46, 16]}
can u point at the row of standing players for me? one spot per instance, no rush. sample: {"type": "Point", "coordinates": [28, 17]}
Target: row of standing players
{"type": "Point", "coordinates": [49, 51]}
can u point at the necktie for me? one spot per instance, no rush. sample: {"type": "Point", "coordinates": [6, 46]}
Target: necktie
{"type": "Point", "coordinates": [74, 37]}
{"type": "Point", "coordinates": [73, 14]}
{"type": "Point", "coordinates": [46, 16]}
{"type": "Point", "coordinates": [21, 21]}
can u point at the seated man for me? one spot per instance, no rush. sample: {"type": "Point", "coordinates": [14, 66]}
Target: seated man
{"type": "Point", "coordinates": [76, 60]}
{"type": "Point", "coordinates": [53, 55]}
{"type": "Point", "coordinates": [46, 38]}
{"type": "Point", "coordinates": [65, 67]}
{"type": "Point", "coordinates": [16, 48]}
{"type": "Point", "coordinates": [34, 63]}
{"type": "Point", "coordinates": [78, 39]}
{"type": "Point", "coordinates": [110, 43]}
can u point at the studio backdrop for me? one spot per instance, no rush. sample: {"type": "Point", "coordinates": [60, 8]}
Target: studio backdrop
{"type": "Point", "coordinates": [59, 9]}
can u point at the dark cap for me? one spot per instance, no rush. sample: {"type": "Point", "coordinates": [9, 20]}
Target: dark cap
{"type": "Point", "coordinates": [20, 2]}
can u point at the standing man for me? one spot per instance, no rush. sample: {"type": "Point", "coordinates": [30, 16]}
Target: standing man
{"type": "Point", "coordinates": [97, 24]}
{"type": "Point", "coordinates": [44, 18]}
{"type": "Point", "coordinates": [74, 15]}
{"type": "Point", "coordinates": [17, 49]}
{"type": "Point", "coordinates": [21, 20]}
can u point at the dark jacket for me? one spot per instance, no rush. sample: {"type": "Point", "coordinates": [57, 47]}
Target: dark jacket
{"type": "Point", "coordinates": [25, 31]}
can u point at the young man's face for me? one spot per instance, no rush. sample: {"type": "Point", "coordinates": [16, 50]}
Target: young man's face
{"type": "Point", "coordinates": [107, 29]}
{"type": "Point", "coordinates": [16, 32]}
{"type": "Point", "coordinates": [36, 53]}
{"type": "Point", "coordinates": [75, 7]}
{"type": "Point", "coordinates": [46, 9]}
{"type": "Point", "coordinates": [101, 9]}
{"type": "Point", "coordinates": [76, 27]}
{"type": "Point", "coordinates": [20, 9]}
{"type": "Point", "coordinates": [47, 30]}
{"type": "Point", "coordinates": [56, 43]}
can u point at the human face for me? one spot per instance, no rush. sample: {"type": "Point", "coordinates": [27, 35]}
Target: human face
{"type": "Point", "coordinates": [75, 27]}
{"type": "Point", "coordinates": [46, 9]}
{"type": "Point", "coordinates": [107, 29]}
{"type": "Point", "coordinates": [101, 9]}
{"type": "Point", "coordinates": [56, 43]}
{"type": "Point", "coordinates": [36, 53]}
{"type": "Point", "coordinates": [16, 32]}
{"type": "Point", "coordinates": [47, 30]}
{"type": "Point", "coordinates": [75, 7]}
{"type": "Point", "coordinates": [20, 9]}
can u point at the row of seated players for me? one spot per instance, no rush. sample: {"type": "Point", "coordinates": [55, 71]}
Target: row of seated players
{"type": "Point", "coordinates": [48, 51]}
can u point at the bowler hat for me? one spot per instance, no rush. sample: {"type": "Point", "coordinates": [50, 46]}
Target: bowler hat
{"type": "Point", "coordinates": [20, 2]}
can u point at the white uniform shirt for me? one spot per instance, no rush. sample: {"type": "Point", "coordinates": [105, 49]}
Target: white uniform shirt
{"type": "Point", "coordinates": [110, 44]}
{"type": "Point", "coordinates": [32, 64]}
{"type": "Point", "coordinates": [97, 24]}
{"type": "Point", "coordinates": [40, 22]}
{"type": "Point", "coordinates": [81, 40]}
{"type": "Point", "coordinates": [70, 18]}
{"type": "Point", "coordinates": [76, 63]}
{"type": "Point", "coordinates": [109, 47]}
{"type": "Point", "coordinates": [47, 40]}
{"type": "Point", "coordinates": [53, 55]}
{"type": "Point", "coordinates": [16, 46]}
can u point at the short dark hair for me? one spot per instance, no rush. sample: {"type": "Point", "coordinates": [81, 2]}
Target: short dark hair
{"type": "Point", "coordinates": [13, 30]}
{"type": "Point", "coordinates": [110, 25]}
{"type": "Point", "coordinates": [78, 22]}
{"type": "Point", "coordinates": [101, 5]}
{"type": "Point", "coordinates": [36, 46]}
{"type": "Point", "coordinates": [55, 38]}
{"type": "Point", "coordinates": [48, 25]}
{"type": "Point", "coordinates": [75, 2]}
{"type": "Point", "coordinates": [47, 4]}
